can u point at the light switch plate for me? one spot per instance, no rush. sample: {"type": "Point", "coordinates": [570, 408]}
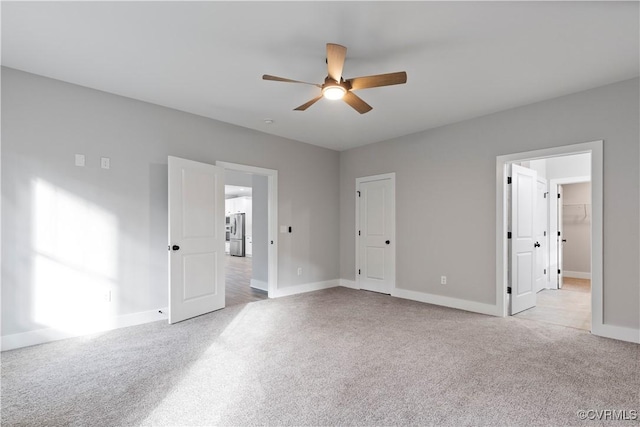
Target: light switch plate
{"type": "Point", "coordinates": [105, 163]}
{"type": "Point", "coordinates": [79, 159]}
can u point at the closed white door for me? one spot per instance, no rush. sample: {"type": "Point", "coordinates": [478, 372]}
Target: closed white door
{"type": "Point", "coordinates": [541, 235]}
{"type": "Point", "coordinates": [376, 238]}
{"type": "Point", "coordinates": [523, 254]}
{"type": "Point", "coordinates": [196, 239]}
{"type": "Point", "coordinates": [560, 236]}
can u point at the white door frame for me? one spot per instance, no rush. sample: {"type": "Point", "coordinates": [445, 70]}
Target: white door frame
{"type": "Point", "coordinates": [272, 213]}
{"type": "Point", "coordinates": [553, 222]}
{"type": "Point", "coordinates": [596, 150]}
{"type": "Point", "coordinates": [392, 177]}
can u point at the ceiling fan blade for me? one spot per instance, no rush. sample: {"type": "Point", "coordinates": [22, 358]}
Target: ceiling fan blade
{"type": "Point", "coordinates": [356, 102]}
{"type": "Point", "coordinates": [335, 60]}
{"type": "Point", "coordinates": [282, 79]}
{"type": "Point", "coordinates": [378, 80]}
{"type": "Point", "coordinates": [308, 104]}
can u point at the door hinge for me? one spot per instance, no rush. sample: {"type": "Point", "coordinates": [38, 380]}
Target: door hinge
{"type": "Point", "coordinates": [558, 271]}
{"type": "Point", "coordinates": [544, 233]}
{"type": "Point", "coordinates": [508, 180]}
{"type": "Point", "coordinates": [509, 289]}
{"type": "Point", "coordinates": [545, 195]}
{"type": "Point", "coordinates": [508, 234]}
{"type": "Point", "coordinates": [358, 232]}
{"type": "Point", "coordinates": [558, 195]}
{"type": "Point", "coordinates": [545, 271]}
{"type": "Point", "coordinates": [558, 234]}
{"type": "Point", "coordinates": [358, 271]}
{"type": "Point", "coordinates": [358, 193]}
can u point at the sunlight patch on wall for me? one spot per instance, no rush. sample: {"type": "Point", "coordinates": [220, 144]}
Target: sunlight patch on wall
{"type": "Point", "coordinates": [75, 261]}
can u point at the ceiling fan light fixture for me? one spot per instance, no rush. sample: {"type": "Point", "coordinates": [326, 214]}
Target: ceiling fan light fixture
{"type": "Point", "coordinates": [334, 92]}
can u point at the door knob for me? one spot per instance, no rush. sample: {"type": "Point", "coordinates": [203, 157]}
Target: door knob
{"type": "Point", "coordinates": [388, 241]}
{"type": "Point", "coordinates": [175, 247]}
{"type": "Point", "coordinates": [536, 245]}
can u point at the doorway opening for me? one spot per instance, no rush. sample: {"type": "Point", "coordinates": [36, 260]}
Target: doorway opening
{"type": "Point", "coordinates": [250, 226]}
{"type": "Point", "coordinates": [245, 220]}
{"type": "Point", "coordinates": [549, 235]}
{"type": "Point", "coordinates": [562, 246]}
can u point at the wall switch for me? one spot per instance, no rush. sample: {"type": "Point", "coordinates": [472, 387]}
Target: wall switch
{"type": "Point", "coordinates": [443, 280]}
{"type": "Point", "coordinates": [79, 159]}
{"type": "Point", "coordinates": [105, 162]}
{"type": "Point", "coordinates": [299, 271]}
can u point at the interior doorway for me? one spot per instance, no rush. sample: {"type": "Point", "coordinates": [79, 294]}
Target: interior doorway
{"type": "Point", "coordinates": [535, 282]}
{"type": "Point", "coordinates": [245, 221]}
{"type": "Point", "coordinates": [566, 300]}
{"type": "Point", "coordinates": [251, 255]}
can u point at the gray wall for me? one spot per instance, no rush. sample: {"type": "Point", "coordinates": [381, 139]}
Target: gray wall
{"type": "Point", "coordinates": [576, 227]}
{"type": "Point", "coordinates": [445, 195]}
{"type": "Point", "coordinates": [45, 122]}
{"type": "Point", "coordinates": [260, 246]}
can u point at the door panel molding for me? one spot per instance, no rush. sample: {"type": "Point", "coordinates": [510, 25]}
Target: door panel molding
{"type": "Point", "coordinates": [196, 238]}
{"type": "Point", "coordinates": [390, 250]}
{"type": "Point", "coordinates": [523, 234]}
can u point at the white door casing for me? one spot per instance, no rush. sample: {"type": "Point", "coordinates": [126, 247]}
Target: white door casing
{"type": "Point", "coordinates": [376, 260]}
{"type": "Point", "coordinates": [196, 239]}
{"type": "Point", "coordinates": [523, 253]}
{"type": "Point", "coordinates": [542, 237]}
{"type": "Point", "coordinates": [596, 150]}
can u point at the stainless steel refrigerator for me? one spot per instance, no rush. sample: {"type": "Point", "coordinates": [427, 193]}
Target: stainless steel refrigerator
{"type": "Point", "coordinates": [236, 235]}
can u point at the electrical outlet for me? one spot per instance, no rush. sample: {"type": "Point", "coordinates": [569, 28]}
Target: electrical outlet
{"type": "Point", "coordinates": [299, 271]}
{"type": "Point", "coordinates": [443, 280]}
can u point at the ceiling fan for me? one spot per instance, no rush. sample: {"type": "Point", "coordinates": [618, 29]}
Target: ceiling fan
{"type": "Point", "coordinates": [335, 87]}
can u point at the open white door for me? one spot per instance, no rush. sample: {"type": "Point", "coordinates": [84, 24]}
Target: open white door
{"type": "Point", "coordinates": [561, 238]}
{"type": "Point", "coordinates": [376, 239]}
{"type": "Point", "coordinates": [196, 239]}
{"type": "Point", "coordinates": [542, 210]}
{"type": "Point", "coordinates": [523, 249]}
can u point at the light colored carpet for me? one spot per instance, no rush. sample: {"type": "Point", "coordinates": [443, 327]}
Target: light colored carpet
{"type": "Point", "coordinates": [333, 357]}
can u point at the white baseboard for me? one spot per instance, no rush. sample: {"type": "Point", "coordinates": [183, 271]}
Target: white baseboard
{"type": "Point", "coordinates": [306, 287]}
{"type": "Point", "coordinates": [41, 336]}
{"type": "Point", "coordinates": [349, 284]}
{"type": "Point", "coordinates": [577, 274]}
{"type": "Point", "coordinates": [617, 333]}
{"type": "Point", "coordinates": [460, 304]}
{"type": "Point", "coordinates": [259, 284]}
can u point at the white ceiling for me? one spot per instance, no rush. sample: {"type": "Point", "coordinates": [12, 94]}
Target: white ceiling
{"type": "Point", "coordinates": [232, 191]}
{"type": "Point", "coordinates": [463, 59]}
